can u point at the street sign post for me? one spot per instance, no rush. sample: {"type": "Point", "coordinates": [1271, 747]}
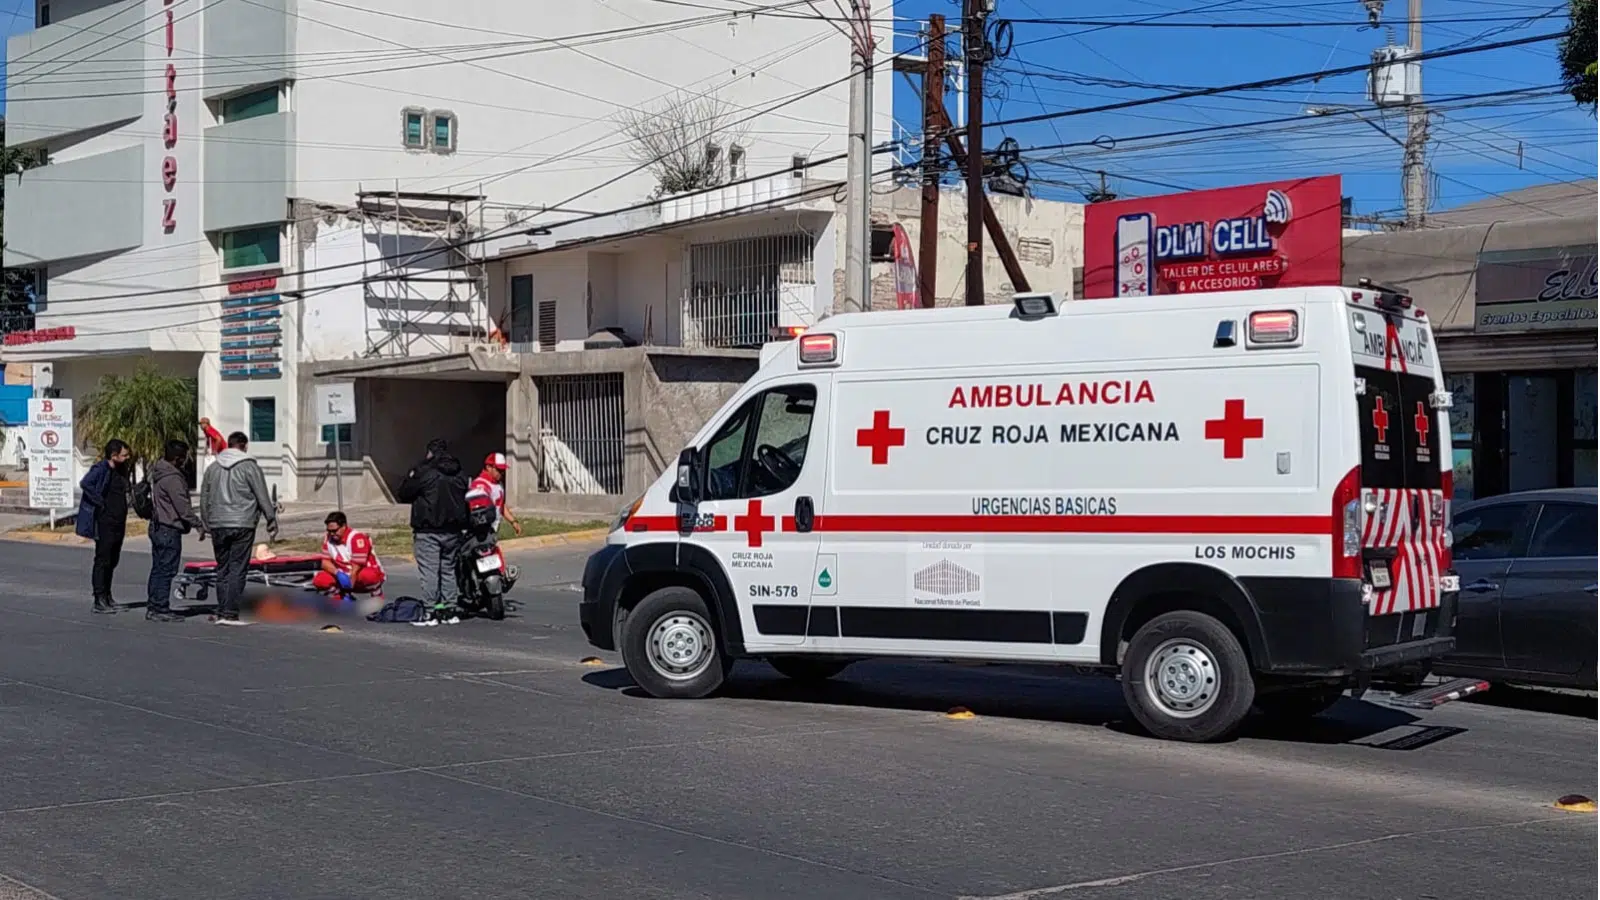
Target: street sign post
{"type": "Point", "coordinates": [52, 472]}
{"type": "Point", "coordinates": [336, 407]}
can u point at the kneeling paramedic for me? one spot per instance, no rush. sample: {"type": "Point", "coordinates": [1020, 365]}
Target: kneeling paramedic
{"type": "Point", "coordinates": [350, 565]}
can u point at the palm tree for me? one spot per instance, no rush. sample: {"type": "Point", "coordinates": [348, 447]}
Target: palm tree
{"type": "Point", "coordinates": [145, 409]}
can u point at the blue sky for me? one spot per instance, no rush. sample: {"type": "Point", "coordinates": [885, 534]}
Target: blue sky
{"type": "Point", "coordinates": [1480, 147]}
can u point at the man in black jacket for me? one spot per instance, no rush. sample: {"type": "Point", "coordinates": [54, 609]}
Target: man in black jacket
{"type": "Point", "coordinates": [437, 492]}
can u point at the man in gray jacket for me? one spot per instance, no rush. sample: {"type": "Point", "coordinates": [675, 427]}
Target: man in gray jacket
{"type": "Point", "coordinates": [233, 499]}
{"type": "Point", "coordinates": [170, 519]}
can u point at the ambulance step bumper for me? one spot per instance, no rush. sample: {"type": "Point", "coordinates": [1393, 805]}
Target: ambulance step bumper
{"type": "Point", "coordinates": [1392, 655]}
{"type": "Point", "coordinates": [1438, 695]}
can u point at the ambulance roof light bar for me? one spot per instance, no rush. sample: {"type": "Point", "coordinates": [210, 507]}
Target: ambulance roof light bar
{"type": "Point", "coordinates": [819, 349]}
{"type": "Point", "coordinates": [1032, 306]}
{"type": "Point", "coordinates": [785, 332]}
{"type": "Point", "coordinates": [1389, 299]}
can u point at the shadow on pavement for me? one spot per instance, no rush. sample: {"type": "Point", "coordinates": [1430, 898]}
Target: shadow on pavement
{"type": "Point", "coordinates": [1562, 703]}
{"type": "Point", "coordinates": [1037, 694]}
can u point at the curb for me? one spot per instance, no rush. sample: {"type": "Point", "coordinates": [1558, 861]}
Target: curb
{"type": "Point", "coordinates": [24, 536]}
{"type": "Point", "coordinates": [525, 543]}
{"type": "Point", "coordinates": [554, 540]}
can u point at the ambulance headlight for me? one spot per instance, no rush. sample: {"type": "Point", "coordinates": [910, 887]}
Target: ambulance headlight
{"type": "Point", "coordinates": [1034, 306]}
{"type": "Point", "coordinates": [626, 513]}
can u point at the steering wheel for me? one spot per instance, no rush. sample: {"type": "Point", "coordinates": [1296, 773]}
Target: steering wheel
{"type": "Point", "coordinates": [783, 469]}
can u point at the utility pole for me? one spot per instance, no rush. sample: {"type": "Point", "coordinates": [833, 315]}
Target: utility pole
{"type": "Point", "coordinates": [975, 46]}
{"type": "Point", "coordinates": [858, 180]}
{"type": "Point", "coordinates": [1415, 177]}
{"type": "Point", "coordinates": [933, 126]}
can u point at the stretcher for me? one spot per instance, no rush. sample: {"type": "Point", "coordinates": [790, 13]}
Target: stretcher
{"type": "Point", "coordinates": [263, 569]}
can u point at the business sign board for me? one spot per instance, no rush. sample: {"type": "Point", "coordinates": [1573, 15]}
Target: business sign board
{"type": "Point", "coordinates": [1548, 289]}
{"type": "Point", "coordinates": [252, 329]}
{"type": "Point", "coordinates": [52, 475]}
{"type": "Point", "coordinates": [336, 403]}
{"type": "Point", "coordinates": [1274, 234]}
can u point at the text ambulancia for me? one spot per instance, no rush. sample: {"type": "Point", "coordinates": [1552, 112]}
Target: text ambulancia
{"type": "Point", "coordinates": [1232, 500]}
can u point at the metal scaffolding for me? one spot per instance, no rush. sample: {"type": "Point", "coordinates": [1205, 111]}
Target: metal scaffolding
{"type": "Point", "coordinates": [423, 277]}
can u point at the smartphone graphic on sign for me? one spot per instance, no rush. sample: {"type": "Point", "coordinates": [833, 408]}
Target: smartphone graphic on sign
{"type": "Point", "coordinates": [1135, 263]}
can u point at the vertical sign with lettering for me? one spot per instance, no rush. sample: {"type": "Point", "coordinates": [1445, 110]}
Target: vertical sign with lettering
{"type": "Point", "coordinates": [169, 135]}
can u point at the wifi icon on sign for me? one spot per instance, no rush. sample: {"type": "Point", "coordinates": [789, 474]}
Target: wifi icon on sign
{"type": "Point", "coordinates": [1278, 210]}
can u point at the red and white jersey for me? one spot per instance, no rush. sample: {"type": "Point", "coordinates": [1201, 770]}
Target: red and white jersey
{"type": "Point", "coordinates": [482, 490]}
{"type": "Point", "coordinates": [345, 554]}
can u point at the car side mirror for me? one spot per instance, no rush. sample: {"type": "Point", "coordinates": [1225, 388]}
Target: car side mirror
{"type": "Point", "coordinates": [688, 476]}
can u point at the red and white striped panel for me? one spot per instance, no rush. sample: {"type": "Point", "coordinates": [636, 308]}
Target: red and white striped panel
{"type": "Point", "coordinates": [1419, 543]}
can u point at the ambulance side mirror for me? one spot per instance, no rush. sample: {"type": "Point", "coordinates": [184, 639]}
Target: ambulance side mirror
{"type": "Point", "coordinates": [688, 476]}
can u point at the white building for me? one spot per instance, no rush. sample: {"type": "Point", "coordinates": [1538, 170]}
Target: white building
{"type": "Point", "coordinates": [200, 202]}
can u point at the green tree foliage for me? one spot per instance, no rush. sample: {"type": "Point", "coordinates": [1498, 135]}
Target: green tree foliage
{"type": "Point", "coordinates": [1577, 53]}
{"type": "Point", "coordinates": [14, 313]}
{"type": "Point", "coordinates": [145, 409]}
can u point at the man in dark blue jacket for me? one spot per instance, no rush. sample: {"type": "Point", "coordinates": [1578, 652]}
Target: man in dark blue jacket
{"type": "Point", "coordinates": [103, 517]}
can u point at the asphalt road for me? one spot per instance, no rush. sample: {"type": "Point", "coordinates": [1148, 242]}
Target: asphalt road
{"type": "Point", "coordinates": [482, 760]}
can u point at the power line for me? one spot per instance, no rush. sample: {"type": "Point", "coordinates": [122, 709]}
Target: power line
{"type": "Point", "coordinates": [1269, 82]}
{"type": "Point", "coordinates": [1229, 25]}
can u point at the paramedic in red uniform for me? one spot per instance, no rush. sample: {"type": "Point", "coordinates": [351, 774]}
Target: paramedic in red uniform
{"type": "Point", "coordinates": [349, 563]}
{"type": "Point", "coordinates": [490, 483]}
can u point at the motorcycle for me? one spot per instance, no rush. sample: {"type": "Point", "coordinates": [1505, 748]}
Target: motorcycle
{"type": "Point", "coordinates": [483, 576]}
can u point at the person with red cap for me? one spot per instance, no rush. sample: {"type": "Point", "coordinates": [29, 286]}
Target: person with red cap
{"type": "Point", "coordinates": [489, 488]}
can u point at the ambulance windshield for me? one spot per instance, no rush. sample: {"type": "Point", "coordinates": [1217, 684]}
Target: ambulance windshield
{"type": "Point", "coordinates": [761, 449]}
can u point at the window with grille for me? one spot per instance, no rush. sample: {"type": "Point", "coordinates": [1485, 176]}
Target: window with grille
{"type": "Point", "coordinates": [547, 324]}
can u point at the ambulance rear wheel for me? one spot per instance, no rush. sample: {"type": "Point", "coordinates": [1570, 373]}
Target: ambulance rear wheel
{"type": "Point", "coordinates": [670, 647]}
{"type": "Point", "coordinates": [1186, 678]}
{"type": "Point", "coordinates": [804, 669]}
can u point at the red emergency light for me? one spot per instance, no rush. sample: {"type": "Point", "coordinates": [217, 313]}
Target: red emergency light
{"type": "Point", "coordinates": [786, 332]}
{"type": "Point", "coordinates": [1280, 326]}
{"type": "Point", "coordinates": [819, 349]}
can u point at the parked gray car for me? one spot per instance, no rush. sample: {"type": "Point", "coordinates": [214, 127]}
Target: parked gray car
{"type": "Point", "coordinates": [1527, 611]}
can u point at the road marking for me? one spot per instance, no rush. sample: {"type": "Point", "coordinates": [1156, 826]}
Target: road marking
{"type": "Point", "coordinates": [1119, 880]}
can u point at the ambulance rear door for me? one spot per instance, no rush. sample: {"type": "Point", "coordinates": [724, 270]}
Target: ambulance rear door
{"type": "Point", "coordinates": [1403, 459]}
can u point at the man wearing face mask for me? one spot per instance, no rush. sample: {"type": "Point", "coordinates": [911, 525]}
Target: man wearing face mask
{"type": "Point", "coordinates": [103, 518]}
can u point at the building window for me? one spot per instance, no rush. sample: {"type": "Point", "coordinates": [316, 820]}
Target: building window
{"type": "Point", "coordinates": [1463, 419]}
{"type": "Point", "coordinates": [443, 133]}
{"type": "Point", "coordinates": [1584, 457]}
{"type": "Point", "coordinates": [248, 106]}
{"type": "Point", "coordinates": [797, 166]}
{"type": "Point", "coordinates": [735, 163]}
{"type": "Point", "coordinates": [44, 15]}
{"type": "Point", "coordinates": [344, 435]}
{"type": "Point", "coordinates": [882, 243]}
{"type": "Point", "coordinates": [250, 248]}
{"type": "Point", "coordinates": [547, 324]}
{"type": "Point", "coordinates": [714, 163]}
{"type": "Point", "coordinates": [414, 131]}
{"type": "Point", "coordinates": [263, 419]}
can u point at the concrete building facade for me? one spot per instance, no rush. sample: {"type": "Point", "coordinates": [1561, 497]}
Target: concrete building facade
{"type": "Point", "coordinates": [244, 190]}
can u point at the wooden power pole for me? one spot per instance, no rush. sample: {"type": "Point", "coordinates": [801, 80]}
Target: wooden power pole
{"type": "Point", "coordinates": [974, 45]}
{"type": "Point", "coordinates": [934, 126]}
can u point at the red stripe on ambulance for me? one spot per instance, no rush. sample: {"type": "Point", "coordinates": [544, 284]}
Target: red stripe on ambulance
{"type": "Point", "coordinates": [964, 524]}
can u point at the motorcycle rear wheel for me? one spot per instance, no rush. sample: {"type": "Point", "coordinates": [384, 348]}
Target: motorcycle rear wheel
{"type": "Point", "coordinates": [494, 597]}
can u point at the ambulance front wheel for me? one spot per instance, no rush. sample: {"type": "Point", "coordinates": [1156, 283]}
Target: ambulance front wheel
{"type": "Point", "coordinates": [669, 645]}
{"type": "Point", "coordinates": [1186, 678]}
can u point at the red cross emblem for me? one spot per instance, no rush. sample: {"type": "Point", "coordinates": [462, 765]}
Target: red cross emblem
{"type": "Point", "coordinates": [1233, 429]}
{"type": "Point", "coordinates": [880, 437]}
{"type": "Point", "coordinates": [754, 524]}
{"type": "Point", "coordinates": [50, 469]}
{"type": "Point", "coordinates": [1421, 421]}
{"type": "Point", "coordinates": [1380, 420]}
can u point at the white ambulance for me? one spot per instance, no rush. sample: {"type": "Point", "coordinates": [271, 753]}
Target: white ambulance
{"type": "Point", "coordinates": [1231, 500]}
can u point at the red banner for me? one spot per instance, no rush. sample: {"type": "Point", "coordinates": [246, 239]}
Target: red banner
{"type": "Point", "coordinates": [905, 270]}
{"type": "Point", "coordinates": [1274, 234]}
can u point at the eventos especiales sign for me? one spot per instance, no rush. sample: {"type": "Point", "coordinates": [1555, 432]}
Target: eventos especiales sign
{"type": "Point", "coordinates": [1274, 234]}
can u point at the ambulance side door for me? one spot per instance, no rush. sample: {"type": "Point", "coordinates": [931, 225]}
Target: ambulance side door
{"type": "Point", "coordinates": [764, 474]}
